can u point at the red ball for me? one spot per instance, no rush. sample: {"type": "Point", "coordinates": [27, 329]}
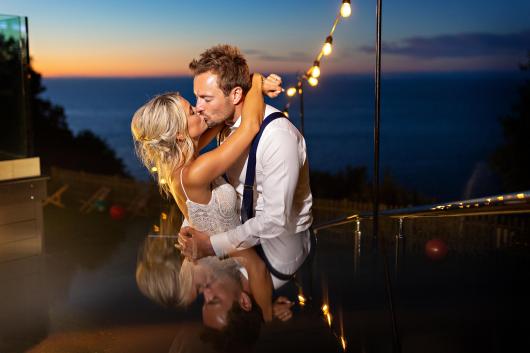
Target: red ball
{"type": "Point", "coordinates": [117, 212]}
{"type": "Point", "coordinates": [436, 249]}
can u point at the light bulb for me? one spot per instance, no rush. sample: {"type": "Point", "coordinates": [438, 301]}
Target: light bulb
{"type": "Point", "coordinates": [326, 49]}
{"type": "Point", "coordinates": [291, 91]}
{"type": "Point", "coordinates": [312, 81]}
{"type": "Point", "coordinates": [345, 9]}
{"type": "Point", "coordinates": [315, 70]}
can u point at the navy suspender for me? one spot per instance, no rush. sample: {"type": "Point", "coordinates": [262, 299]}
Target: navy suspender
{"type": "Point", "coordinates": [247, 208]}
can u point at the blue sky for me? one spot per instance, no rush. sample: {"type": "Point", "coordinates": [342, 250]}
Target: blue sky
{"type": "Point", "coordinates": [159, 37]}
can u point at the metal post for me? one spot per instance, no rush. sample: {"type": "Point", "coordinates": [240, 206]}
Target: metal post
{"type": "Point", "coordinates": [357, 246]}
{"type": "Point", "coordinates": [400, 245]}
{"type": "Point", "coordinates": [377, 117]}
{"type": "Point", "coordinates": [301, 92]}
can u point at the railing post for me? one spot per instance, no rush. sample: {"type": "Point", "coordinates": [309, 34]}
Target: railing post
{"type": "Point", "coordinates": [357, 246]}
{"type": "Point", "coordinates": [400, 245]}
{"type": "Point", "coordinates": [301, 92]}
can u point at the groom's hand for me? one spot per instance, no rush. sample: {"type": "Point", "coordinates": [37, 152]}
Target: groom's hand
{"type": "Point", "coordinates": [195, 244]}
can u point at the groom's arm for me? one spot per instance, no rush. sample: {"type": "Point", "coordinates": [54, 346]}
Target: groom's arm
{"type": "Point", "coordinates": [281, 167]}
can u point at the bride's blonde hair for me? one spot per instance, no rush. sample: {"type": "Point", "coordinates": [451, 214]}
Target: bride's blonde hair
{"type": "Point", "coordinates": [162, 140]}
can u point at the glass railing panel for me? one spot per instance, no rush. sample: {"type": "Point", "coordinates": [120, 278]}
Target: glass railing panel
{"type": "Point", "coordinates": [13, 88]}
{"type": "Point", "coordinates": [460, 284]}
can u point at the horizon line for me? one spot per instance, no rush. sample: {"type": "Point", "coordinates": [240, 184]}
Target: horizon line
{"type": "Point", "coordinates": [439, 72]}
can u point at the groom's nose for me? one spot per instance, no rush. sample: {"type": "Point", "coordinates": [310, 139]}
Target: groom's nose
{"type": "Point", "coordinates": [199, 106]}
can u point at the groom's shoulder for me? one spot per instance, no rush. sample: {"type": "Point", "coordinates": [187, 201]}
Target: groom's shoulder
{"type": "Point", "coordinates": [281, 123]}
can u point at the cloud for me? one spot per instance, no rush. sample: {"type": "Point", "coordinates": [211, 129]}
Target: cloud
{"type": "Point", "coordinates": [458, 45]}
{"type": "Point", "coordinates": [292, 56]}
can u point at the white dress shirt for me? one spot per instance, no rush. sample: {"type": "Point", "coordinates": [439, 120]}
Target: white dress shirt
{"type": "Point", "coordinates": [282, 199]}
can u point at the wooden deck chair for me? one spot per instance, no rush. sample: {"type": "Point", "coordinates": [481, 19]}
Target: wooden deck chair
{"type": "Point", "coordinates": [100, 195]}
{"type": "Point", "coordinates": [55, 198]}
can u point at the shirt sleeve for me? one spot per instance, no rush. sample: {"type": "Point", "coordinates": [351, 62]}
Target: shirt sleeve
{"type": "Point", "coordinates": [281, 167]}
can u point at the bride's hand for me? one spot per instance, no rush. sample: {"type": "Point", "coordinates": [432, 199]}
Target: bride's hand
{"type": "Point", "coordinates": [272, 86]}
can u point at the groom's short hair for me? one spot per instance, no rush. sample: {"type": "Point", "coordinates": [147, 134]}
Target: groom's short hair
{"type": "Point", "coordinates": [227, 62]}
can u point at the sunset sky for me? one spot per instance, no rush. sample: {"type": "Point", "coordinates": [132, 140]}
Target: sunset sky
{"type": "Point", "coordinates": [160, 37]}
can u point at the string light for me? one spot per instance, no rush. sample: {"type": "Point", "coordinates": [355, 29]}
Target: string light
{"type": "Point", "coordinates": [345, 9]}
{"type": "Point", "coordinates": [315, 70]}
{"type": "Point", "coordinates": [154, 169]}
{"type": "Point", "coordinates": [291, 91]}
{"type": "Point", "coordinates": [327, 48]}
{"type": "Point", "coordinates": [286, 113]}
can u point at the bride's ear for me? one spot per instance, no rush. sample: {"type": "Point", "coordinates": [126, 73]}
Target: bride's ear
{"type": "Point", "coordinates": [236, 95]}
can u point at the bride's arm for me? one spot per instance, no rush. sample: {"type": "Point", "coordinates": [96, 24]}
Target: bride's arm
{"type": "Point", "coordinates": [259, 279]}
{"type": "Point", "coordinates": [271, 87]}
{"type": "Point", "coordinates": [214, 163]}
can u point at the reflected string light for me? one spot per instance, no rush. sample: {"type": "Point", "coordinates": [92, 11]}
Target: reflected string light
{"type": "Point", "coordinates": [343, 343]}
{"type": "Point", "coordinates": [325, 309]}
{"type": "Point", "coordinates": [154, 169]}
{"type": "Point", "coordinates": [329, 319]}
{"type": "Point", "coordinates": [301, 300]}
{"type": "Point", "coordinates": [156, 228]}
{"type": "Point", "coordinates": [163, 215]}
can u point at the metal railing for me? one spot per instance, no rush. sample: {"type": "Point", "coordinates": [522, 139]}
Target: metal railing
{"type": "Point", "coordinates": [513, 203]}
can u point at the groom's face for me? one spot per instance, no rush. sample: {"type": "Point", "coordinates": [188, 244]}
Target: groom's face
{"type": "Point", "coordinates": [212, 104]}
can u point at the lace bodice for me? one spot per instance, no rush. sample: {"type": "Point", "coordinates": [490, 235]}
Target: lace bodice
{"type": "Point", "coordinates": [218, 215]}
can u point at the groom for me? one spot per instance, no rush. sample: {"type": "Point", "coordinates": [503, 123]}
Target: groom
{"type": "Point", "coordinates": [282, 198]}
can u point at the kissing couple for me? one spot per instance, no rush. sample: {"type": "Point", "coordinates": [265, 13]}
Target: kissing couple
{"type": "Point", "coordinates": [247, 203]}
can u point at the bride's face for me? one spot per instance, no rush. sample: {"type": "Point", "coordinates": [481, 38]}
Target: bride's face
{"type": "Point", "coordinates": [196, 125]}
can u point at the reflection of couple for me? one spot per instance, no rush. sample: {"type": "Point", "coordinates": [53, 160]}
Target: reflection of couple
{"type": "Point", "coordinates": [274, 239]}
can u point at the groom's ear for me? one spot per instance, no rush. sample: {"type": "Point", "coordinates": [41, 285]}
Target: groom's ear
{"type": "Point", "coordinates": [245, 302]}
{"type": "Point", "coordinates": [236, 95]}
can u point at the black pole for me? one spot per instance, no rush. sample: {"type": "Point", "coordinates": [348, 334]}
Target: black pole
{"type": "Point", "coordinates": [301, 88]}
{"type": "Point", "coordinates": [377, 117]}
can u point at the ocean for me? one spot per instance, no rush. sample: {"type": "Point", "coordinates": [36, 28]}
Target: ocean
{"type": "Point", "coordinates": [437, 130]}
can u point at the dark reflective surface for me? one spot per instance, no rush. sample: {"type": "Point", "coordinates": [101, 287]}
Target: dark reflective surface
{"type": "Point", "coordinates": [81, 294]}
